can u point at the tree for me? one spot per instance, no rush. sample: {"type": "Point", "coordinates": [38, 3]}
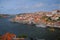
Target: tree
{"type": "Point", "coordinates": [22, 36]}
{"type": "Point", "coordinates": [58, 19]}
{"type": "Point", "coordinates": [8, 36]}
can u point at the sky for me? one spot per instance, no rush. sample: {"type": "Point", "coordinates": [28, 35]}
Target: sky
{"type": "Point", "coordinates": [27, 6]}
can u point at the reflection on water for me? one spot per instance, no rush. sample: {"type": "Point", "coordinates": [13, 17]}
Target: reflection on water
{"type": "Point", "coordinates": [31, 31]}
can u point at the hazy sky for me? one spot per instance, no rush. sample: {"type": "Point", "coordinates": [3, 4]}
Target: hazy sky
{"type": "Point", "coordinates": [21, 6]}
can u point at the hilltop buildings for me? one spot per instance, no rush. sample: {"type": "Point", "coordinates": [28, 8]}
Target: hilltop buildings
{"type": "Point", "coordinates": [39, 17]}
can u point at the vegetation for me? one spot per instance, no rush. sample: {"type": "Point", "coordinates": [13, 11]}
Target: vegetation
{"type": "Point", "coordinates": [46, 18]}
{"type": "Point", "coordinates": [0, 37]}
{"type": "Point", "coordinates": [58, 19]}
{"type": "Point", "coordinates": [22, 36]}
{"type": "Point", "coordinates": [43, 17]}
{"type": "Point", "coordinates": [2, 15]}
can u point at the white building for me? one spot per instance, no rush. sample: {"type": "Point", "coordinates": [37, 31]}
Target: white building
{"type": "Point", "coordinates": [55, 11]}
{"type": "Point", "coordinates": [49, 14]}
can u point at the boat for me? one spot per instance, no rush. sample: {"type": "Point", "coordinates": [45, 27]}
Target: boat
{"type": "Point", "coordinates": [41, 25]}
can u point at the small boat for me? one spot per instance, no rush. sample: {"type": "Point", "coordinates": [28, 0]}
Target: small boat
{"type": "Point", "coordinates": [32, 24]}
{"type": "Point", "coordinates": [41, 25]}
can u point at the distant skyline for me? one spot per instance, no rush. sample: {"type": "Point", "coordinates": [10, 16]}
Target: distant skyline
{"type": "Point", "coordinates": [24, 6]}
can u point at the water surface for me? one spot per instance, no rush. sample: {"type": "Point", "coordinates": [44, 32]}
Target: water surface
{"type": "Point", "coordinates": [18, 29]}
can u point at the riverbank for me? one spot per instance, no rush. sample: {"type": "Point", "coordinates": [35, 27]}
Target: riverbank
{"type": "Point", "coordinates": [40, 19]}
{"type": "Point", "coordinates": [4, 15]}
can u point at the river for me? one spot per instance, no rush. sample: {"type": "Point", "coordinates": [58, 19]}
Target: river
{"type": "Point", "coordinates": [18, 29]}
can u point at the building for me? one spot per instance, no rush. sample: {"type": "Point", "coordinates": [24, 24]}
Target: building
{"type": "Point", "coordinates": [49, 14]}
{"type": "Point", "coordinates": [57, 24]}
{"type": "Point", "coordinates": [55, 11]}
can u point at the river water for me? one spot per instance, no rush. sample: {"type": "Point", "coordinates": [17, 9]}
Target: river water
{"type": "Point", "coordinates": [31, 31]}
